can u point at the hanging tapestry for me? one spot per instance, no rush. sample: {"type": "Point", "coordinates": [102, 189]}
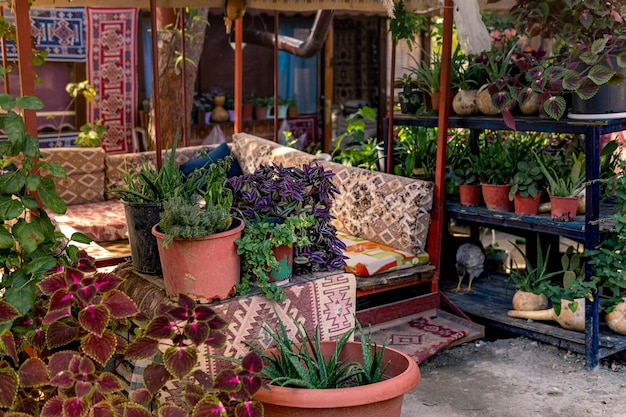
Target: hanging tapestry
{"type": "Point", "coordinates": [112, 71]}
{"type": "Point", "coordinates": [59, 31]}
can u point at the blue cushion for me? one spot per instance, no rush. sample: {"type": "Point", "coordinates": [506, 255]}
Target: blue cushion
{"type": "Point", "coordinates": [221, 152]}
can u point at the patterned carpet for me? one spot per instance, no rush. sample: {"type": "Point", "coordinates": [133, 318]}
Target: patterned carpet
{"type": "Point", "coordinates": [112, 72]}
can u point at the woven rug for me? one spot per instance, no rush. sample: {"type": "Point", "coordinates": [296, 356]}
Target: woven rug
{"type": "Point", "coordinates": [419, 338]}
{"type": "Point", "coordinates": [111, 70]}
{"type": "Point", "coordinates": [60, 31]}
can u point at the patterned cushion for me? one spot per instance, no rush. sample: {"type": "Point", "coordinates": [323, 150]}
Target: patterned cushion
{"type": "Point", "coordinates": [116, 165]}
{"type": "Point", "coordinates": [382, 207]}
{"type": "Point", "coordinates": [102, 221]}
{"type": "Point", "coordinates": [251, 152]}
{"type": "Point", "coordinates": [366, 258]}
{"type": "Point", "coordinates": [85, 173]}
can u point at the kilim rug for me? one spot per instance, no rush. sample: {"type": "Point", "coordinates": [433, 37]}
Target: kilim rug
{"type": "Point", "coordinates": [419, 338]}
{"type": "Point", "coordinates": [60, 31]}
{"type": "Point", "coordinates": [111, 42]}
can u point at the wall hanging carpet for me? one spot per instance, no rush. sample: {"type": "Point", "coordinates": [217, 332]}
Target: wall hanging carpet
{"type": "Point", "coordinates": [60, 31]}
{"type": "Point", "coordinates": [111, 70]}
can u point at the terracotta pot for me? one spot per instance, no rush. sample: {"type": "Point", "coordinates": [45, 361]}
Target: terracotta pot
{"type": "Point", "coordinates": [496, 197]}
{"type": "Point", "coordinates": [526, 205]}
{"type": "Point", "coordinates": [469, 195]}
{"type": "Point", "coordinates": [434, 100]}
{"type": "Point", "coordinates": [563, 208]}
{"type": "Point", "coordinates": [247, 111]}
{"type": "Point", "coordinates": [260, 113]}
{"type": "Point", "coordinates": [206, 268]}
{"type": "Point", "coordinates": [527, 301]}
{"type": "Point", "coordinates": [375, 400]}
{"type": "Point", "coordinates": [292, 112]}
{"type": "Point", "coordinates": [464, 102]}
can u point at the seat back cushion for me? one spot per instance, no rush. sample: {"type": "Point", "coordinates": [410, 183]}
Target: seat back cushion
{"type": "Point", "coordinates": [384, 208]}
{"type": "Point", "coordinates": [85, 173]}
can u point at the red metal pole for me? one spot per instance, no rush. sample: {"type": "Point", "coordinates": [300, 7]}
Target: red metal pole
{"type": "Point", "coordinates": [184, 76]}
{"type": "Point", "coordinates": [389, 155]}
{"type": "Point", "coordinates": [435, 233]}
{"type": "Point", "coordinates": [275, 75]}
{"type": "Point", "coordinates": [25, 59]}
{"type": "Point", "coordinates": [238, 76]}
{"type": "Point", "coordinates": [156, 96]}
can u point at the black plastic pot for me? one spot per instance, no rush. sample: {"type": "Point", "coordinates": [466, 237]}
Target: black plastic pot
{"type": "Point", "coordinates": [140, 217]}
{"type": "Point", "coordinates": [608, 99]}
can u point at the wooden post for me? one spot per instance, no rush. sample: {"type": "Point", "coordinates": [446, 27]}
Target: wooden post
{"type": "Point", "coordinates": [238, 127]}
{"type": "Point", "coordinates": [25, 58]}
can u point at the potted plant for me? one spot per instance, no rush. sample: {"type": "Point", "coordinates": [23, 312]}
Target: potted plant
{"type": "Point", "coordinates": [143, 196]}
{"type": "Point", "coordinates": [495, 258]}
{"type": "Point", "coordinates": [409, 97]}
{"type": "Point", "coordinates": [311, 377]}
{"type": "Point", "coordinates": [607, 260]}
{"type": "Point", "coordinates": [193, 235]}
{"type": "Point", "coordinates": [266, 249]}
{"type": "Point", "coordinates": [281, 192]}
{"type": "Point", "coordinates": [428, 76]}
{"type": "Point", "coordinates": [219, 113]}
{"type": "Point", "coordinates": [292, 108]}
{"type": "Point", "coordinates": [201, 108]}
{"type": "Point", "coordinates": [532, 282]}
{"type": "Point", "coordinates": [526, 187]}
{"type": "Point", "coordinates": [593, 56]}
{"type": "Point", "coordinates": [415, 152]}
{"type": "Point", "coordinates": [564, 188]}
{"type": "Point", "coordinates": [260, 107]}
{"type": "Point", "coordinates": [465, 79]}
{"type": "Point", "coordinates": [247, 110]}
{"type": "Point", "coordinates": [465, 177]}
{"type": "Point", "coordinates": [497, 65]}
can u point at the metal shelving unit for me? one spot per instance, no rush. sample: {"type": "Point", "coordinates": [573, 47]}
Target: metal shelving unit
{"type": "Point", "coordinates": [585, 230]}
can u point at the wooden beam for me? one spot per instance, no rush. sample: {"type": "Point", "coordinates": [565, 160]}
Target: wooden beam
{"type": "Point", "coordinates": [238, 76]}
{"type": "Point", "coordinates": [25, 59]}
{"type": "Point", "coordinates": [329, 88]}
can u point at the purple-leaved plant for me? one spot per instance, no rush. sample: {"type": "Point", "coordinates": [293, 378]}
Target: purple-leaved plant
{"type": "Point", "coordinates": [277, 191]}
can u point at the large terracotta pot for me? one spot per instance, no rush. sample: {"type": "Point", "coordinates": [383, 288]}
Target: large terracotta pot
{"type": "Point", "coordinates": [496, 197]}
{"type": "Point", "coordinates": [469, 195]}
{"type": "Point", "coordinates": [563, 208]}
{"type": "Point", "coordinates": [206, 268]}
{"type": "Point", "coordinates": [375, 400]}
{"type": "Point", "coordinates": [526, 205]}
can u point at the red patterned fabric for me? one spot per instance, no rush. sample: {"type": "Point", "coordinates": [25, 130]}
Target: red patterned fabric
{"type": "Point", "coordinates": [419, 338]}
{"type": "Point", "coordinates": [103, 221]}
{"type": "Point", "coordinates": [111, 70]}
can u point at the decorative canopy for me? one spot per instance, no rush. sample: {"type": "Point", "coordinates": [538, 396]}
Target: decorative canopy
{"type": "Point", "coordinates": [415, 6]}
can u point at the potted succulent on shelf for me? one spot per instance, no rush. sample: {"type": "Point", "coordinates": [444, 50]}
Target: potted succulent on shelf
{"type": "Point", "coordinates": [196, 232]}
{"type": "Point", "coordinates": [526, 187]}
{"type": "Point", "coordinates": [409, 97]}
{"type": "Point", "coordinates": [311, 377]}
{"type": "Point", "coordinates": [564, 189]}
{"type": "Point", "coordinates": [532, 282]}
{"type": "Point", "coordinates": [466, 178]}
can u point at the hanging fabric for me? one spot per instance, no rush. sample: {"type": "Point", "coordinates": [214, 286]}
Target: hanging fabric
{"type": "Point", "coordinates": [472, 33]}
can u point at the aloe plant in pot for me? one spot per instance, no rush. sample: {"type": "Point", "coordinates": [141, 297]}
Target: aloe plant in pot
{"type": "Point", "coordinates": [310, 377]}
{"type": "Point", "coordinates": [196, 240]}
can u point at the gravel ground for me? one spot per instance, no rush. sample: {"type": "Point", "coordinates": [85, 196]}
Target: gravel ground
{"type": "Point", "coordinates": [513, 377]}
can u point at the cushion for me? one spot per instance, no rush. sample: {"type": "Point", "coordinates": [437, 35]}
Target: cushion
{"type": "Point", "coordinates": [365, 258]}
{"type": "Point", "coordinates": [103, 221]}
{"type": "Point", "coordinates": [85, 173]}
{"type": "Point", "coordinates": [219, 153]}
{"type": "Point", "coordinates": [251, 152]}
{"type": "Point", "coordinates": [381, 207]}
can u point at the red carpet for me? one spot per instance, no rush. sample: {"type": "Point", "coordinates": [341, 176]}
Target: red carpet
{"type": "Point", "coordinates": [419, 338]}
{"type": "Point", "coordinates": [111, 70]}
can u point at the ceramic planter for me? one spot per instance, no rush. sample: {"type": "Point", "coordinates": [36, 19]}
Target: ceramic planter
{"type": "Point", "coordinates": [563, 208]}
{"type": "Point", "coordinates": [205, 268]}
{"type": "Point", "coordinates": [526, 205]}
{"type": "Point", "coordinates": [528, 301]}
{"type": "Point", "coordinates": [283, 273]}
{"type": "Point", "coordinates": [567, 319]}
{"type": "Point", "coordinates": [496, 197]}
{"type": "Point", "coordinates": [616, 320]}
{"type": "Point", "coordinates": [140, 217]}
{"type": "Point", "coordinates": [375, 400]}
{"type": "Point", "coordinates": [469, 195]}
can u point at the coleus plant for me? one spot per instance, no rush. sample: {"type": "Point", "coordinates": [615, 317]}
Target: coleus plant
{"type": "Point", "coordinates": [277, 191]}
{"type": "Point", "coordinates": [54, 361]}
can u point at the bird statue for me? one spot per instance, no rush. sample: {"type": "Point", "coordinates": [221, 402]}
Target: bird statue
{"type": "Point", "coordinates": [470, 260]}
{"type": "Point", "coordinates": [233, 10]}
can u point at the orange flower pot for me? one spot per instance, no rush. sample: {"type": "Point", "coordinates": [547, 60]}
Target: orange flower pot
{"type": "Point", "coordinates": [496, 197]}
